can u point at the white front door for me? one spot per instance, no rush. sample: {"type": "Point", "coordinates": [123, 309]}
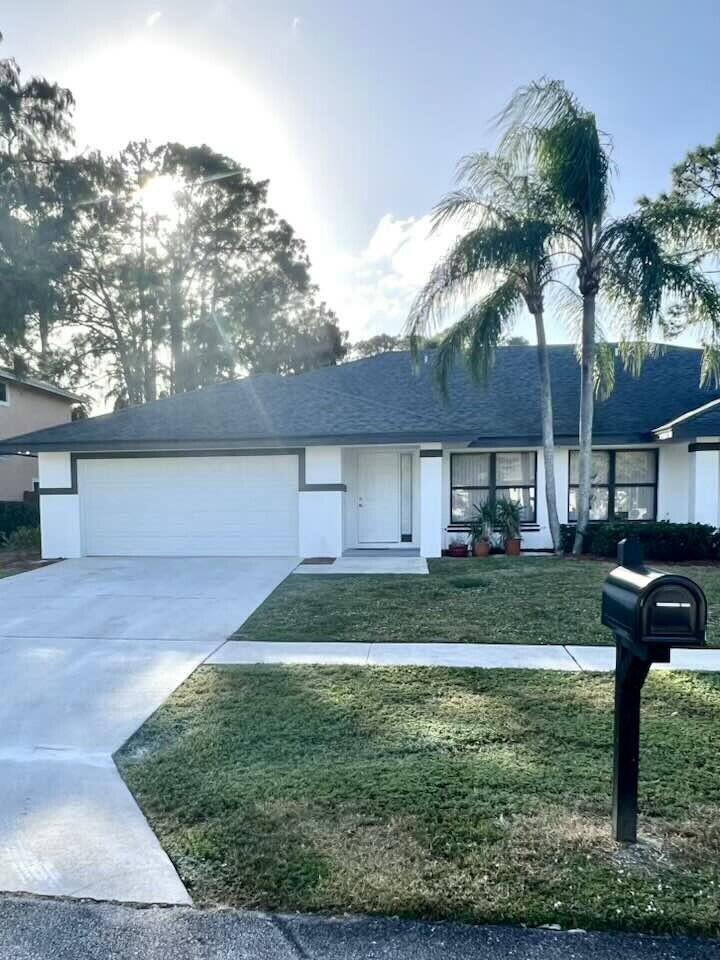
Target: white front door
{"type": "Point", "coordinates": [378, 497]}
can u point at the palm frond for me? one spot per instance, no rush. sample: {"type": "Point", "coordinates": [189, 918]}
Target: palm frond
{"type": "Point", "coordinates": [634, 353]}
{"type": "Point", "coordinates": [487, 174]}
{"type": "Point", "coordinates": [545, 120]}
{"type": "Point", "coordinates": [480, 255]}
{"type": "Point", "coordinates": [641, 278]}
{"type": "Point", "coordinates": [465, 205]}
{"type": "Point", "coordinates": [476, 335]}
{"type": "Point", "coordinates": [604, 370]}
{"type": "Point", "coordinates": [531, 110]}
{"type": "Point", "coordinates": [710, 366]}
{"type": "Point", "coordinates": [491, 190]}
{"type": "Point", "coordinates": [691, 227]}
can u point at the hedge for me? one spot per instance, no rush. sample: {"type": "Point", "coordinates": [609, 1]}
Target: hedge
{"type": "Point", "coordinates": [15, 514]}
{"type": "Point", "coordinates": [660, 541]}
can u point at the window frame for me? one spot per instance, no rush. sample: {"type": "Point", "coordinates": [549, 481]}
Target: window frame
{"type": "Point", "coordinates": [492, 488]}
{"type": "Point", "coordinates": [612, 484]}
{"type": "Point", "coordinates": [5, 401]}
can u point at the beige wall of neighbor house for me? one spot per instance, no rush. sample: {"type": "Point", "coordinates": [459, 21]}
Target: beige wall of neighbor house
{"type": "Point", "coordinates": [25, 409]}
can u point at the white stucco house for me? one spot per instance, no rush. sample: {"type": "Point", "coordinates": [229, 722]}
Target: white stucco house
{"type": "Point", "coordinates": [368, 456]}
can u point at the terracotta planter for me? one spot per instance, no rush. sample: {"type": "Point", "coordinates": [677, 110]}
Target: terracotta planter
{"type": "Point", "coordinates": [512, 547]}
{"type": "Point", "coordinates": [481, 549]}
{"type": "Point", "coordinates": [457, 551]}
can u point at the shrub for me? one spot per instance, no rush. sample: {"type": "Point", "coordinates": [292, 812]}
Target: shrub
{"type": "Point", "coordinates": [23, 540]}
{"type": "Point", "coordinates": [15, 514]}
{"type": "Point", "coordinates": [660, 541]}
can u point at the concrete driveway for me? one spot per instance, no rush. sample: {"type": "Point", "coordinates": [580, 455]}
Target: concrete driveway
{"type": "Point", "coordinates": [88, 650]}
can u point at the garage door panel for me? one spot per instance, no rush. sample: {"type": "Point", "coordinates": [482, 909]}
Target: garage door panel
{"type": "Point", "coordinates": [214, 506]}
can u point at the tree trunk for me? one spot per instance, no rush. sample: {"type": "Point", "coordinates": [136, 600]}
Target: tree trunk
{"type": "Point", "coordinates": [548, 431]}
{"type": "Point", "coordinates": [149, 371]}
{"type": "Point", "coordinates": [44, 330]}
{"type": "Point", "coordinates": [586, 420]}
{"type": "Point", "coordinates": [176, 334]}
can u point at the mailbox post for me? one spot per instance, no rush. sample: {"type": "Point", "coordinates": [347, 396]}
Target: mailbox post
{"type": "Point", "coordinates": [649, 613]}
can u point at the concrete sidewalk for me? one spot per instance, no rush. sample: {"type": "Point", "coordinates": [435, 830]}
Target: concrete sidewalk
{"type": "Point", "coordinates": [516, 656]}
{"type": "Point", "coordinates": [64, 930]}
{"type": "Point", "coordinates": [374, 565]}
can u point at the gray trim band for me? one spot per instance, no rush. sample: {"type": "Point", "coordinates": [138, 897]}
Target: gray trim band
{"type": "Point", "coordinates": [431, 453]}
{"type": "Point", "coordinates": [299, 452]}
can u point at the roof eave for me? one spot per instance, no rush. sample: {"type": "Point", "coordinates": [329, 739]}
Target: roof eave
{"type": "Point", "coordinates": [38, 387]}
{"type": "Point", "coordinates": [666, 430]}
{"type": "Point", "coordinates": [25, 445]}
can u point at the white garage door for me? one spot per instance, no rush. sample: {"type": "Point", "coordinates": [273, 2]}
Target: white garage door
{"type": "Point", "coordinates": [191, 507]}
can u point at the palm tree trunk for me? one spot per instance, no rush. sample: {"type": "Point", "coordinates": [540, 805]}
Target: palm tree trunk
{"type": "Point", "coordinates": [548, 431]}
{"type": "Point", "coordinates": [586, 421]}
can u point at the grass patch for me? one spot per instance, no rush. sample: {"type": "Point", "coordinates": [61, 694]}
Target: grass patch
{"type": "Point", "coordinates": [438, 793]}
{"type": "Point", "coordinates": [493, 600]}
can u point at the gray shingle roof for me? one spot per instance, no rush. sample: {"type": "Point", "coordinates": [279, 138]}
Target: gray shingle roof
{"type": "Point", "coordinates": [381, 399]}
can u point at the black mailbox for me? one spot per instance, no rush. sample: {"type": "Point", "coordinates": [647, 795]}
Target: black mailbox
{"type": "Point", "coordinates": [644, 606]}
{"type": "Point", "coordinates": [650, 613]}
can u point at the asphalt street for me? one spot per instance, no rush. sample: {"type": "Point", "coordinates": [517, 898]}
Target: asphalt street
{"type": "Point", "coordinates": [46, 929]}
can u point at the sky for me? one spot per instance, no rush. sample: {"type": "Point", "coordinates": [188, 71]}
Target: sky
{"type": "Point", "coordinates": [357, 112]}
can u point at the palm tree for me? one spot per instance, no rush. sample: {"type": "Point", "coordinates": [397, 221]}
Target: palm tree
{"type": "Point", "coordinates": [623, 257]}
{"type": "Point", "coordinates": [505, 251]}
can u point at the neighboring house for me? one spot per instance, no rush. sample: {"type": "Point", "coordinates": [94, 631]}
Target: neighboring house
{"type": "Point", "coordinates": [367, 455]}
{"type": "Point", "coordinates": [27, 404]}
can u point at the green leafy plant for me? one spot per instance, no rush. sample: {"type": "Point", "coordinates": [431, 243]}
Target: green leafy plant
{"type": "Point", "coordinates": [14, 514]}
{"type": "Point", "coordinates": [672, 542]}
{"type": "Point", "coordinates": [483, 522]}
{"type": "Point", "coordinates": [23, 540]}
{"type": "Point", "coordinates": [509, 516]}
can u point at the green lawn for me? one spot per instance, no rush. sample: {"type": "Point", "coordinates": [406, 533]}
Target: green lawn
{"type": "Point", "coordinates": [493, 600]}
{"type": "Point", "coordinates": [475, 795]}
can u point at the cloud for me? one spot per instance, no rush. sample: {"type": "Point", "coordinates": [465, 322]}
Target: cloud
{"type": "Point", "coordinates": [296, 24]}
{"type": "Point", "coordinates": [153, 18]}
{"type": "Point", "coordinates": [372, 291]}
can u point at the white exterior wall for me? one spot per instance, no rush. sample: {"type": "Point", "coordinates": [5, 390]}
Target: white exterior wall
{"type": "Point", "coordinates": [704, 475]}
{"type": "Point", "coordinates": [320, 512]}
{"type": "Point", "coordinates": [674, 483]}
{"type": "Point", "coordinates": [562, 481]}
{"type": "Point", "coordinates": [59, 513]}
{"type": "Point", "coordinates": [688, 490]}
{"type": "Point", "coordinates": [431, 499]}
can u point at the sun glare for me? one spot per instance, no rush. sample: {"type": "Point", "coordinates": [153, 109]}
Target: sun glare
{"type": "Point", "coordinates": [158, 196]}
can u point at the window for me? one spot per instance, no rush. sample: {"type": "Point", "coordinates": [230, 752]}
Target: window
{"type": "Point", "coordinates": [624, 485]}
{"type": "Point", "coordinates": [4, 393]}
{"type": "Point", "coordinates": [477, 477]}
{"type": "Point", "coordinates": [406, 497]}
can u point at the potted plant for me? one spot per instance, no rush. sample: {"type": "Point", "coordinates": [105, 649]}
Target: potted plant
{"type": "Point", "coordinates": [481, 528]}
{"type": "Point", "coordinates": [457, 547]}
{"type": "Point", "coordinates": [509, 514]}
